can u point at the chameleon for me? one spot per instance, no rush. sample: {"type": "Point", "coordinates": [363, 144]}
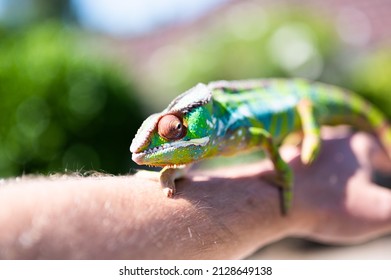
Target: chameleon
{"type": "Point", "coordinates": [224, 118]}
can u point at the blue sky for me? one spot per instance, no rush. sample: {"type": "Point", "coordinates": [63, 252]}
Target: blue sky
{"type": "Point", "coordinates": [131, 17]}
{"type": "Point", "coordinates": [119, 17]}
{"type": "Point", "coordinates": [2, 7]}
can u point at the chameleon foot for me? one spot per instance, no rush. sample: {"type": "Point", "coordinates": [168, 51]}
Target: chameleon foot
{"type": "Point", "coordinates": [311, 131]}
{"type": "Point", "coordinates": [284, 176]}
{"type": "Point", "coordinates": [169, 191]}
{"type": "Point", "coordinates": [284, 186]}
{"type": "Point", "coordinates": [168, 175]}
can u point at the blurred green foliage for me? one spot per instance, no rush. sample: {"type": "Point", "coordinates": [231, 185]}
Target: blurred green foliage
{"type": "Point", "coordinates": [63, 107]}
{"type": "Point", "coordinates": [245, 42]}
{"type": "Point", "coordinates": [248, 40]}
{"type": "Point", "coordinates": [372, 78]}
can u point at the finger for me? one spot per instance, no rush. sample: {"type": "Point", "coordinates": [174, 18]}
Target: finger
{"type": "Point", "coordinates": [373, 157]}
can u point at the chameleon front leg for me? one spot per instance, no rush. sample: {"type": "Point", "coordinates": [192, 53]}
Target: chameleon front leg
{"type": "Point", "coordinates": [168, 175]}
{"type": "Point", "coordinates": [311, 141]}
{"type": "Point", "coordinates": [284, 178]}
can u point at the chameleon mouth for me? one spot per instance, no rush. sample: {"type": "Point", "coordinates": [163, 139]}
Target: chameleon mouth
{"type": "Point", "coordinates": [141, 157]}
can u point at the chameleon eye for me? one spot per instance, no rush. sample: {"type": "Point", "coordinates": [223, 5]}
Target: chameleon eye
{"type": "Point", "coordinates": [171, 127]}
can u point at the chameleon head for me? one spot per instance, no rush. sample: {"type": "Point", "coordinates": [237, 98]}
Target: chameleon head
{"type": "Point", "coordinates": [180, 134]}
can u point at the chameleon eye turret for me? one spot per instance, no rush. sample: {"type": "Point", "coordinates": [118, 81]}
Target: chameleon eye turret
{"type": "Point", "coordinates": [171, 127]}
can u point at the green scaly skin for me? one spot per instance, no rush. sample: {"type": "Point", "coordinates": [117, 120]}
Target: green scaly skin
{"type": "Point", "coordinates": [224, 118]}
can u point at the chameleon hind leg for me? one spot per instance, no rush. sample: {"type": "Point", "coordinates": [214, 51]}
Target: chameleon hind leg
{"type": "Point", "coordinates": [311, 141]}
{"type": "Point", "coordinates": [168, 175]}
{"type": "Point", "coordinates": [284, 177]}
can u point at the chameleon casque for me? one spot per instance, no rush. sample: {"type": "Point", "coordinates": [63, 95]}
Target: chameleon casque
{"type": "Point", "coordinates": [224, 118]}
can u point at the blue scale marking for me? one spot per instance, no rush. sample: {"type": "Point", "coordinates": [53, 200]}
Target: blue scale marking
{"type": "Point", "coordinates": [263, 109]}
{"type": "Point", "coordinates": [277, 126]}
{"type": "Point", "coordinates": [291, 119]}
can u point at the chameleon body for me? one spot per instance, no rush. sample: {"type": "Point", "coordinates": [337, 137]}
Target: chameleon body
{"type": "Point", "coordinates": [225, 118]}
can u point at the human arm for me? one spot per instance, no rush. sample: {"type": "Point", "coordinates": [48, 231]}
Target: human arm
{"type": "Point", "coordinates": [127, 217]}
{"type": "Point", "coordinates": [226, 213]}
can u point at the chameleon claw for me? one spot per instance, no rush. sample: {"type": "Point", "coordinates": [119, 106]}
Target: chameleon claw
{"type": "Point", "coordinates": [168, 184]}
{"type": "Point", "coordinates": [169, 192]}
{"type": "Point", "coordinates": [168, 175]}
{"type": "Point", "coordinates": [310, 149]}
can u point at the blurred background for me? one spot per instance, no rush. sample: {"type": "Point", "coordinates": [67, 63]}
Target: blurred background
{"type": "Point", "coordinates": [77, 77]}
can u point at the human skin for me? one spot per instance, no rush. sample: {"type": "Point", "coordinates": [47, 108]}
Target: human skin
{"type": "Point", "coordinates": [220, 214]}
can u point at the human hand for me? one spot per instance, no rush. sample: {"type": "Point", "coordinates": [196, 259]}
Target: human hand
{"type": "Point", "coordinates": [335, 200]}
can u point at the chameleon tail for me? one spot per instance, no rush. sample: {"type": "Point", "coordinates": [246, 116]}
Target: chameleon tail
{"type": "Point", "coordinates": [350, 108]}
{"type": "Point", "coordinates": [384, 133]}
{"type": "Point", "coordinates": [379, 124]}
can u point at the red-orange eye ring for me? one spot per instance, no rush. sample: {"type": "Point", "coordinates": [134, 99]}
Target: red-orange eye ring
{"type": "Point", "coordinates": [171, 127]}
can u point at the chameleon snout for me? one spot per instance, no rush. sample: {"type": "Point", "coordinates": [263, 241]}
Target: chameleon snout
{"type": "Point", "coordinates": [136, 148]}
{"type": "Point", "coordinates": [138, 158]}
